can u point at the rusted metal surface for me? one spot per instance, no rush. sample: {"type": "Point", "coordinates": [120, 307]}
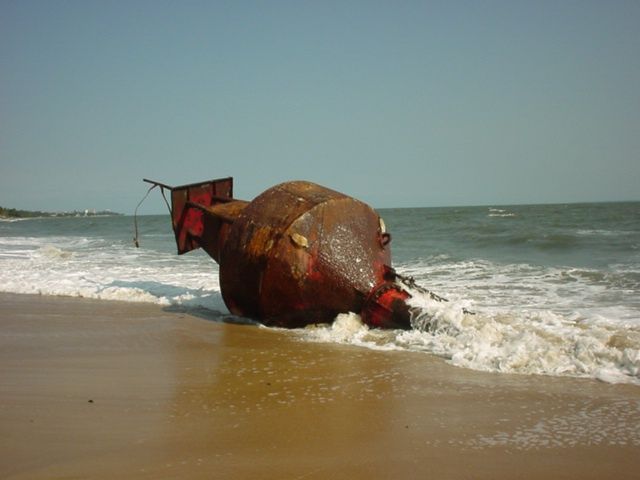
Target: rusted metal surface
{"type": "Point", "coordinates": [189, 223]}
{"type": "Point", "coordinates": [297, 254]}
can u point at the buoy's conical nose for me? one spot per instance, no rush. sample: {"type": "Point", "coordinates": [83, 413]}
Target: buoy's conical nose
{"type": "Point", "coordinates": [386, 307]}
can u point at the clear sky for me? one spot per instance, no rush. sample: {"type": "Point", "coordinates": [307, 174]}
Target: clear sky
{"type": "Point", "coordinates": [398, 103]}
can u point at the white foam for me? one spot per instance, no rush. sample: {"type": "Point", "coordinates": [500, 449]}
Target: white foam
{"type": "Point", "coordinates": [527, 342]}
{"type": "Point", "coordinates": [12, 220]}
{"type": "Point", "coordinates": [91, 268]}
{"type": "Point", "coordinates": [348, 328]}
{"type": "Point", "coordinates": [505, 338]}
{"type": "Point", "coordinates": [499, 212]}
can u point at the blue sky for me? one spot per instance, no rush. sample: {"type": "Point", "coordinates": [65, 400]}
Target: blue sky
{"type": "Point", "coordinates": [396, 103]}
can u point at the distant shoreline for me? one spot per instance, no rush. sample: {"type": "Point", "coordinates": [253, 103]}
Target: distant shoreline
{"type": "Point", "coordinates": [13, 213]}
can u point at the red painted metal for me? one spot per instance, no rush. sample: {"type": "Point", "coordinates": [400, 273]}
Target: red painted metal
{"type": "Point", "coordinates": [188, 222]}
{"type": "Point", "coordinates": [299, 253]}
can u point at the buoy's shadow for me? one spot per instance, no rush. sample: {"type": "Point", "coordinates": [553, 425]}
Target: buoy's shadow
{"type": "Point", "coordinates": [209, 314]}
{"type": "Point", "coordinates": [191, 300]}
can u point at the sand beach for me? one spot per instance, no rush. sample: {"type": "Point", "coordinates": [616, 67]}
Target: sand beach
{"type": "Point", "coordinates": [95, 389]}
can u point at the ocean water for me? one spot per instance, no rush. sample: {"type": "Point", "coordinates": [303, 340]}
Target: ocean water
{"type": "Point", "coordinates": [555, 288]}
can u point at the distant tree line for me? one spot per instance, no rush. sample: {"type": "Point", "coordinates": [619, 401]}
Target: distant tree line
{"type": "Point", "coordinates": [15, 213]}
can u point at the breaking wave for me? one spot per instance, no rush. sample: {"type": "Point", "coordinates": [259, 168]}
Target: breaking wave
{"type": "Point", "coordinates": [541, 343]}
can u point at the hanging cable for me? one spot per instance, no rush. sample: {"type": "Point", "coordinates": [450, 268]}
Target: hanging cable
{"type": "Point", "coordinates": [135, 215]}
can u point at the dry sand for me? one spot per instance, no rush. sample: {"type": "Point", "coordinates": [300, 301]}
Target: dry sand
{"type": "Point", "coordinates": [92, 389]}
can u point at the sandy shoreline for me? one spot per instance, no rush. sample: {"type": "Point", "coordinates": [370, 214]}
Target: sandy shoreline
{"type": "Point", "coordinates": [92, 389]}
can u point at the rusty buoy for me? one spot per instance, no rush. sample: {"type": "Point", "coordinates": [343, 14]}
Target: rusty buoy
{"type": "Point", "coordinates": [298, 254]}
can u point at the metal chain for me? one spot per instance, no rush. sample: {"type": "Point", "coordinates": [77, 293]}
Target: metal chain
{"type": "Point", "coordinates": [410, 282]}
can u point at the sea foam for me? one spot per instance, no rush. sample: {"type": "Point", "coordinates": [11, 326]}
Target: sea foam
{"type": "Point", "coordinates": [81, 267]}
{"type": "Point", "coordinates": [519, 342]}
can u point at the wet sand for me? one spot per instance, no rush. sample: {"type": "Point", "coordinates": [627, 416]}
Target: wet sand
{"type": "Point", "coordinates": [92, 389]}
